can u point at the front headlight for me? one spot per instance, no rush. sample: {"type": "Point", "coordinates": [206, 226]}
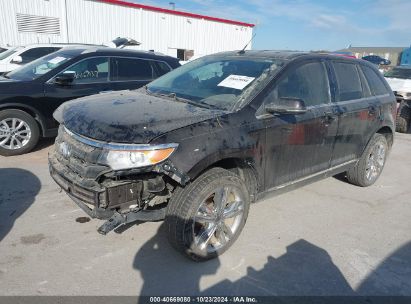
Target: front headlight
{"type": "Point", "coordinates": [146, 156]}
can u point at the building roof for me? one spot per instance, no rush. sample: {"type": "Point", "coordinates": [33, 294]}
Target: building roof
{"type": "Point", "coordinates": [373, 49]}
{"type": "Point", "coordinates": [174, 12]}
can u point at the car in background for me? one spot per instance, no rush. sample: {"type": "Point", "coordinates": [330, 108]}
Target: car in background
{"type": "Point", "coordinates": [399, 79]}
{"type": "Point", "coordinates": [30, 94]}
{"type": "Point", "coordinates": [378, 60]}
{"type": "Point", "coordinates": [16, 57]}
{"type": "Point", "coordinates": [3, 49]}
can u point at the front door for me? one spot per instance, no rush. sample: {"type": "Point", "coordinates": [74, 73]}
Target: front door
{"type": "Point", "coordinates": [91, 77]}
{"type": "Point", "coordinates": [298, 145]}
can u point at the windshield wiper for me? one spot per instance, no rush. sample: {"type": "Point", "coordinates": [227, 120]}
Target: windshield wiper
{"type": "Point", "coordinates": [5, 76]}
{"type": "Point", "coordinates": [191, 102]}
{"type": "Point", "coordinates": [174, 97]}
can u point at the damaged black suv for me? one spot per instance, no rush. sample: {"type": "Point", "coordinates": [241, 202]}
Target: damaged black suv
{"type": "Point", "coordinates": [198, 145]}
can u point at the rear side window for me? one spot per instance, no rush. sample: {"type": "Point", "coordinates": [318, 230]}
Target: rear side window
{"type": "Point", "coordinates": [161, 68]}
{"type": "Point", "coordinates": [123, 69]}
{"type": "Point", "coordinates": [308, 82]}
{"type": "Point", "coordinates": [349, 84]}
{"type": "Point", "coordinates": [375, 83]}
{"type": "Point", "coordinates": [35, 53]}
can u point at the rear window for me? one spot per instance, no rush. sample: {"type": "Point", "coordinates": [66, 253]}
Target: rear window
{"type": "Point", "coordinates": [375, 83]}
{"type": "Point", "coordinates": [349, 84]}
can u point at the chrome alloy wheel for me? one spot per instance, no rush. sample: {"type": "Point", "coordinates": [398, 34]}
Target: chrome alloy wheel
{"type": "Point", "coordinates": [375, 162]}
{"type": "Point", "coordinates": [14, 133]}
{"type": "Point", "coordinates": [218, 219]}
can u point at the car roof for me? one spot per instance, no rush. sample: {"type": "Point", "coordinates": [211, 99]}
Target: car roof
{"type": "Point", "coordinates": [107, 51]}
{"type": "Point", "coordinates": [283, 55]}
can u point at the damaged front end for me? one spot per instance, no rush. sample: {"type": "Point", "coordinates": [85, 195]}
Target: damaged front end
{"type": "Point", "coordinates": [121, 183]}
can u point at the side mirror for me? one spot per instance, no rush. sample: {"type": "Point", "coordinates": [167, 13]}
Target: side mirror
{"type": "Point", "coordinates": [286, 105]}
{"type": "Point", "coordinates": [17, 59]}
{"type": "Point", "coordinates": [64, 79]}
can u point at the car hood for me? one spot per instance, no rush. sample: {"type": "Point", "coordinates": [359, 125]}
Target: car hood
{"type": "Point", "coordinates": [399, 84]}
{"type": "Point", "coordinates": [128, 116]}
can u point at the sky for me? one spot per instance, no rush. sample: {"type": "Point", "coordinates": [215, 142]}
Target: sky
{"type": "Point", "coordinates": [311, 25]}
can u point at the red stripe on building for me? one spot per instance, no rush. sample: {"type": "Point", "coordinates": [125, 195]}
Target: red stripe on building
{"type": "Point", "coordinates": [173, 12]}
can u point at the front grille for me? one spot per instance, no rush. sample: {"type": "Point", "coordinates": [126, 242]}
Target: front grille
{"type": "Point", "coordinates": [79, 157]}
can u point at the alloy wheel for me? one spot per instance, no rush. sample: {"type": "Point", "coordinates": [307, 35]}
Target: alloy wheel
{"type": "Point", "coordinates": [218, 219]}
{"type": "Point", "coordinates": [15, 133]}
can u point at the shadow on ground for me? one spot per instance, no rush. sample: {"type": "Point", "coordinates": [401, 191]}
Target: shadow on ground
{"type": "Point", "coordinates": [18, 189]}
{"type": "Point", "coordinates": [305, 269]}
{"type": "Point", "coordinates": [43, 143]}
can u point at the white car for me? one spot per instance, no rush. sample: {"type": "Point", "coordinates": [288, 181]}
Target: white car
{"type": "Point", "coordinates": [399, 79]}
{"type": "Point", "coordinates": [15, 57]}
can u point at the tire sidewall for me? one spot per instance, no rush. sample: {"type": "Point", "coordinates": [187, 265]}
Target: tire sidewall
{"type": "Point", "coordinates": [377, 139]}
{"type": "Point", "coordinates": [31, 122]}
{"type": "Point", "coordinates": [195, 194]}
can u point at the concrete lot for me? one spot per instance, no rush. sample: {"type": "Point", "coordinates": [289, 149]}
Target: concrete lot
{"type": "Point", "coordinates": [328, 238]}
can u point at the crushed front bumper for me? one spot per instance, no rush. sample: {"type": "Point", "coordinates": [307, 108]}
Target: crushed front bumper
{"type": "Point", "coordinates": [99, 200]}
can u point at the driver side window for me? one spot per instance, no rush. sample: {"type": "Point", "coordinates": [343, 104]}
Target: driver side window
{"type": "Point", "coordinates": [90, 70]}
{"type": "Point", "coordinates": [308, 82]}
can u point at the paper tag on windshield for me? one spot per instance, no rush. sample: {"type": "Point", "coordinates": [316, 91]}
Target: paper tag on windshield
{"type": "Point", "coordinates": [236, 82]}
{"type": "Point", "coordinates": [57, 59]}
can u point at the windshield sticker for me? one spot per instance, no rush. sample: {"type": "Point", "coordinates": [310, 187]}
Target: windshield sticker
{"type": "Point", "coordinates": [57, 59]}
{"type": "Point", "coordinates": [236, 82]}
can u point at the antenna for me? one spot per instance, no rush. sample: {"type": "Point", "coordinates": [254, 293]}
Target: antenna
{"type": "Point", "coordinates": [243, 50]}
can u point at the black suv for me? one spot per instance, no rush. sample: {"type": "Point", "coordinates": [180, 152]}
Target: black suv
{"type": "Point", "coordinates": [30, 94]}
{"type": "Point", "coordinates": [198, 145]}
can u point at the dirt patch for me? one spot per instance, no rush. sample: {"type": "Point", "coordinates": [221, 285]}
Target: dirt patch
{"type": "Point", "coordinates": [82, 219]}
{"type": "Point", "coordinates": [32, 239]}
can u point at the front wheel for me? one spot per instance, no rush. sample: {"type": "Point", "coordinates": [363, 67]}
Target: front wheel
{"type": "Point", "coordinates": [369, 167]}
{"type": "Point", "coordinates": [19, 132]}
{"type": "Point", "coordinates": [206, 217]}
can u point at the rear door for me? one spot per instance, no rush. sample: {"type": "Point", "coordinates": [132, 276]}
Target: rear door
{"type": "Point", "coordinates": [128, 73]}
{"type": "Point", "coordinates": [356, 110]}
{"type": "Point", "coordinates": [300, 145]}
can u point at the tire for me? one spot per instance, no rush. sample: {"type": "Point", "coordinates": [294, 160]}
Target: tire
{"type": "Point", "coordinates": [369, 167]}
{"type": "Point", "coordinates": [403, 118]}
{"type": "Point", "coordinates": [19, 132]}
{"type": "Point", "coordinates": [200, 228]}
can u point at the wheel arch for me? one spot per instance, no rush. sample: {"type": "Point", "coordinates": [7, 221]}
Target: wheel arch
{"type": "Point", "coordinates": [244, 167]}
{"type": "Point", "coordinates": [38, 117]}
{"type": "Point", "coordinates": [388, 134]}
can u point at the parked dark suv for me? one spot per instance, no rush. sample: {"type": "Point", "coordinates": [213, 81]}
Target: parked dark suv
{"type": "Point", "coordinates": [30, 94]}
{"type": "Point", "coordinates": [198, 145]}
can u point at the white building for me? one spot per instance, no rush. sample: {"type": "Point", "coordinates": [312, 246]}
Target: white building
{"type": "Point", "coordinates": [176, 33]}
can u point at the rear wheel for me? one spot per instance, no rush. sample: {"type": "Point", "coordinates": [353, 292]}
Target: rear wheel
{"type": "Point", "coordinates": [371, 163]}
{"type": "Point", "coordinates": [403, 118]}
{"type": "Point", "coordinates": [19, 132]}
{"type": "Point", "coordinates": [206, 217]}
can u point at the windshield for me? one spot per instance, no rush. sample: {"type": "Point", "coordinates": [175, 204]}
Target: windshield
{"type": "Point", "coordinates": [39, 67]}
{"type": "Point", "coordinates": [7, 53]}
{"type": "Point", "coordinates": [399, 73]}
{"type": "Point", "coordinates": [220, 82]}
